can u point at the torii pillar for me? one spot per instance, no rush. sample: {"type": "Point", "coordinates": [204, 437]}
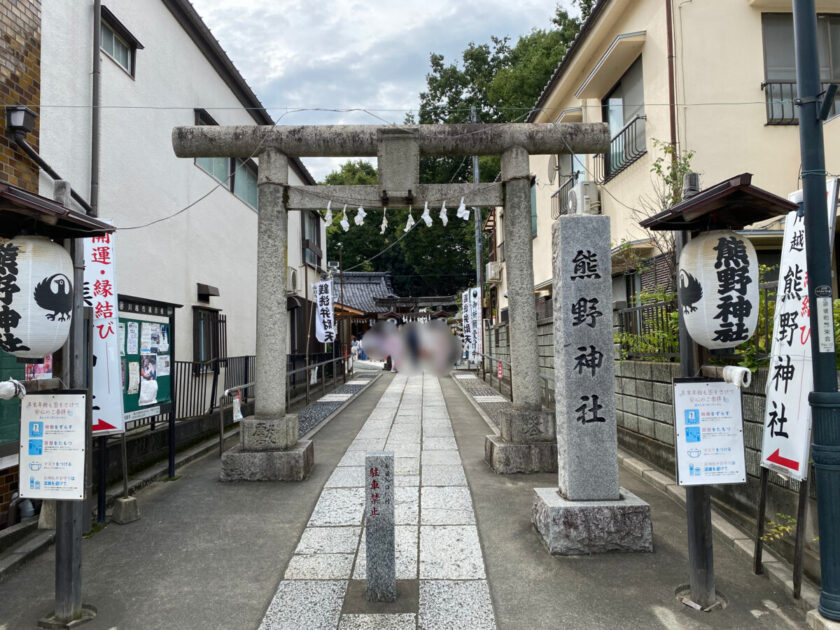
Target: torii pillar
{"type": "Point", "coordinates": [269, 447]}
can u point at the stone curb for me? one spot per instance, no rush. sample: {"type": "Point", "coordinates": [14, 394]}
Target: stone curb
{"type": "Point", "coordinates": [28, 549]}
{"type": "Point", "coordinates": [339, 409]}
{"type": "Point", "coordinates": [776, 569]}
{"type": "Point", "coordinates": [475, 405]}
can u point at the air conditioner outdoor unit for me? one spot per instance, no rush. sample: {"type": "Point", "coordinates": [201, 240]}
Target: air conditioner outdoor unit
{"type": "Point", "coordinates": [583, 199]}
{"type": "Point", "coordinates": [291, 280]}
{"type": "Point", "coordinates": [493, 272]}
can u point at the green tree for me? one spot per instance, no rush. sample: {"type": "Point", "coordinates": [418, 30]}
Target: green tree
{"type": "Point", "coordinates": [432, 260]}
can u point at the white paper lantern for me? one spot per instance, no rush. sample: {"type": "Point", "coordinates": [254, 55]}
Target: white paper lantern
{"type": "Point", "coordinates": [718, 289]}
{"type": "Point", "coordinates": [36, 296]}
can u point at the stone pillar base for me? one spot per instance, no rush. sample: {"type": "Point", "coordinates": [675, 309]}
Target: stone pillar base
{"type": "Point", "coordinates": [126, 510]}
{"type": "Point", "coordinates": [506, 458]}
{"type": "Point", "coordinates": [293, 464]}
{"type": "Point", "coordinates": [817, 622]}
{"type": "Point", "coordinates": [571, 528]}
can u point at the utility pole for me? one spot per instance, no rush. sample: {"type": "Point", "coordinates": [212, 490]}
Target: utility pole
{"type": "Point", "coordinates": [825, 400]}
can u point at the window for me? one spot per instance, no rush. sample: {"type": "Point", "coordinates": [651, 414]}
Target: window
{"type": "Point", "coordinates": [780, 63]}
{"type": "Point", "coordinates": [312, 238]}
{"type": "Point", "coordinates": [623, 109]}
{"type": "Point", "coordinates": [118, 43]}
{"type": "Point", "coordinates": [238, 176]}
{"type": "Point", "coordinates": [209, 335]}
{"type": "Point", "coordinates": [534, 207]}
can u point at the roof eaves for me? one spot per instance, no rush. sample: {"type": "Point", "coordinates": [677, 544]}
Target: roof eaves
{"type": "Point", "coordinates": [191, 22]}
{"type": "Point", "coordinates": [585, 28]}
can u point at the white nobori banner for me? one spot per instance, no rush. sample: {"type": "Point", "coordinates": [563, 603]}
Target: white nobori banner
{"type": "Point", "coordinates": [100, 292]}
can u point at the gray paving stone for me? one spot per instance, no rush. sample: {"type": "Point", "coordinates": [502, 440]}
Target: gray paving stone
{"type": "Point", "coordinates": [441, 458]}
{"type": "Point", "coordinates": [439, 444]}
{"type": "Point", "coordinates": [320, 566]}
{"type": "Point", "coordinates": [446, 605]}
{"type": "Point", "coordinates": [339, 506]}
{"type": "Point", "coordinates": [398, 621]}
{"type": "Point", "coordinates": [407, 505]}
{"type": "Point", "coordinates": [446, 506]}
{"type": "Point", "coordinates": [450, 552]}
{"type": "Point", "coordinates": [407, 465]}
{"type": "Point", "coordinates": [408, 480]}
{"type": "Point", "coordinates": [310, 604]}
{"type": "Point", "coordinates": [366, 445]}
{"type": "Point", "coordinates": [347, 477]}
{"type": "Point", "coordinates": [404, 449]}
{"type": "Point", "coordinates": [438, 430]}
{"type": "Point", "coordinates": [452, 475]}
{"type": "Point", "coordinates": [329, 540]}
{"type": "Point", "coordinates": [353, 458]}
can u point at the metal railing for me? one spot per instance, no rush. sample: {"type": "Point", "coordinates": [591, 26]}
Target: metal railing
{"type": "Point", "coordinates": [650, 331]}
{"type": "Point", "coordinates": [780, 102]}
{"type": "Point", "coordinates": [546, 381]}
{"type": "Point", "coordinates": [627, 146]}
{"type": "Point", "coordinates": [560, 198]}
{"type": "Point", "coordinates": [196, 384]}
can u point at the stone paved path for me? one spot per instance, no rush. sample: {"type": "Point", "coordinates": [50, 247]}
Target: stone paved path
{"type": "Point", "coordinates": [440, 567]}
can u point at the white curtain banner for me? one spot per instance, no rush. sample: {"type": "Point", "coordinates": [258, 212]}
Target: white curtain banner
{"type": "Point", "coordinates": [100, 290]}
{"type": "Point", "coordinates": [324, 313]}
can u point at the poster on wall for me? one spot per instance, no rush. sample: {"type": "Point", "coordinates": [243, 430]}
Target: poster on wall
{"type": "Point", "coordinates": [39, 371]}
{"type": "Point", "coordinates": [709, 428]}
{"type": "Point", "coordinates": [101, 294]}
{"type": "Point", "coordinates": [52, 446]}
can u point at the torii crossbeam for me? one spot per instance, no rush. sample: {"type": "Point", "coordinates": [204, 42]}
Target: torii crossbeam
{"type": "Point", "coordinates": [269, 446]}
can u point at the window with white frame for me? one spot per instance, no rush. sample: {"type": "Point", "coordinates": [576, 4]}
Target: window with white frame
{"type": "Point", "coordinates": [118, 43]}
{"type": "Point", "coordinates": [312, 238]}
{"type": "Point", "coordinates": [623, 109]}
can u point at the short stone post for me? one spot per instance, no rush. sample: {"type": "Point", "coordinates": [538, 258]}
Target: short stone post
{"type": "Point", "coordinates": [526, 443]}
{"type": "Point", "coordinates": [379, 526]}
{"type": "Point", "coordinates": [589, 513]}
{"type": "Point", "coordinates": [269, 448]}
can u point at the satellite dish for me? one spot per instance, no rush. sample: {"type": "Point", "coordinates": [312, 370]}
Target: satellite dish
{"type": "Point", "coordinates": [552, 168]}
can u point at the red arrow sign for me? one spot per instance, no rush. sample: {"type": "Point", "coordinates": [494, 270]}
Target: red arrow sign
{"type": "Point", "coordinates": [101, 425]}
{"type": "Point", "coordinates": [783, 461]}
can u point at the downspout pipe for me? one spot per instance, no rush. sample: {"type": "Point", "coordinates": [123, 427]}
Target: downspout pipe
{"type": "Point", "coordinates": [95, 103]}
{"type": "Point", "coordinates": [672, 108]}
{"type": "Point", "coordinates": [20, 140]}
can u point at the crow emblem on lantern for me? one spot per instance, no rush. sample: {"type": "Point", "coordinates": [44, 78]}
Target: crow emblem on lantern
{"type": "Point", "coordinates": [718, 290]}
{"type": "Point", "coordinates": [36, 296]}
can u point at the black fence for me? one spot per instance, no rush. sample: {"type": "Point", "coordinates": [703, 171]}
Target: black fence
{"type": "Point", "coordinates": [780, 102]}
{"type": "Point", "coordinates": [650, 331]}
{"type": "Point", "coordinates": [627, 146]}
{"type": "Point", "coordinates": [198, 385]}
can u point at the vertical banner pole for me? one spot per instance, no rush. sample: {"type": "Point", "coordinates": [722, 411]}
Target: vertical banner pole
{"type": "Point", "coordinates": [759, 528]}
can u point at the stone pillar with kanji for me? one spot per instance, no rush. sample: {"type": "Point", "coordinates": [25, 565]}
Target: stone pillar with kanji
{"type": "Point", "coordinates": [588, 512]}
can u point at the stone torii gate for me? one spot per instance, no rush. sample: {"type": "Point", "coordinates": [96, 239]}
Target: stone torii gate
{"type": "Point", "coordinates": [269, 446]}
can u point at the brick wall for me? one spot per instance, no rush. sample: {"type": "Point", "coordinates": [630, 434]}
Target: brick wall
{"type": "Point", "coordinates": [20, 83]}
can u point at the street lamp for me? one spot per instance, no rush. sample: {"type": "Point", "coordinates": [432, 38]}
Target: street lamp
{"type": "Point", "coordinates": [20, 118]}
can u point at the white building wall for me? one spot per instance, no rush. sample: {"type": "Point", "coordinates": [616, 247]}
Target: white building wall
{"type": "Point", "coordinates": [141, 180]}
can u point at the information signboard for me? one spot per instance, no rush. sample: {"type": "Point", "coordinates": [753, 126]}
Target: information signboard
{"type": "Point", "coordinates": [710, 432]}
{"type": "Point", "coordinates": [52, 446]}
{"type": "Point", "coordinates": [146, 366]}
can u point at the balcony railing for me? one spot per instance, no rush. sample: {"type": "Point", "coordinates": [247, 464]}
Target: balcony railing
{"type": "Point", "coordinates": [780, 102]}
{"type": "Point", "coordinates": [560, 199]}
{"type": "Point", "coordinates": [627, 146]}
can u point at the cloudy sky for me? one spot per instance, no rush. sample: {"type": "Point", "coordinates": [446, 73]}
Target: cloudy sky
{"type": "Point", "coordinates": [346, 54]}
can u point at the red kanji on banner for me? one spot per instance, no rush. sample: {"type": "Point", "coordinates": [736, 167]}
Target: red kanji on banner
{"type": "Point", "coordinates": [103, 310]}
{"type": "Point", "coordinates": [101, 255]}
{"type": "Point", "coordinates": [109, 330]}
{"type": "Point", "coordinates": [103, 288]}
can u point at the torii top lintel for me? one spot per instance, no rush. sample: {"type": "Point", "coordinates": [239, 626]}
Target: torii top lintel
{"type": "Point", "coordinates": [363, 140]}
